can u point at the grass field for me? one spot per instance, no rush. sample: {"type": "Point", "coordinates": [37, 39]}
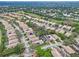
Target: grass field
{"type": "Point", "coordinates": [31, 14]}
{"type": "Point", "coordinates": [34, 15]}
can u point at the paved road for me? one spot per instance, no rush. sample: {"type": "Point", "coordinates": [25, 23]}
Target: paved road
{"type": "Point", "coordinates": [27, 52]}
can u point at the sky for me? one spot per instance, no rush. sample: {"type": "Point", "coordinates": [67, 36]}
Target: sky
{"type": "Point", "coordinates": [39, 0]}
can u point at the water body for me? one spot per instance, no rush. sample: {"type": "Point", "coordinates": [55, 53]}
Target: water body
{"type": "Point", "coordinates": [41, 3]}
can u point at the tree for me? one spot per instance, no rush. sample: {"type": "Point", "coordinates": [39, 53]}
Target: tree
{"type": "Point", "coordinates": [47, 53]}
{"type": "Point", "coordinates": [19, 48]}
{"type": "Point", "coordinates": [51, 31]}
{"type": "Point", "coordinates": [43, 53]}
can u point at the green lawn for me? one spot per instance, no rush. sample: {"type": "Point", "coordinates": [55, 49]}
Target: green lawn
{"type": "Point", "coordinates": [3, 38]}
{"type": "Point", "coordinates": [34, 15]}
{"type": "Point", "coordinates": [31, 14]}
{"type": "Point", "coordinates": [0, 36]}
{"type": "Point", "coordinates": [56, 21]}
{"type": "Point", "coordinates": [16, 50]}
{"type": "Point", "coordinates": [43, 53]}
{"type": "Point", "coordinates": [76, 25]}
